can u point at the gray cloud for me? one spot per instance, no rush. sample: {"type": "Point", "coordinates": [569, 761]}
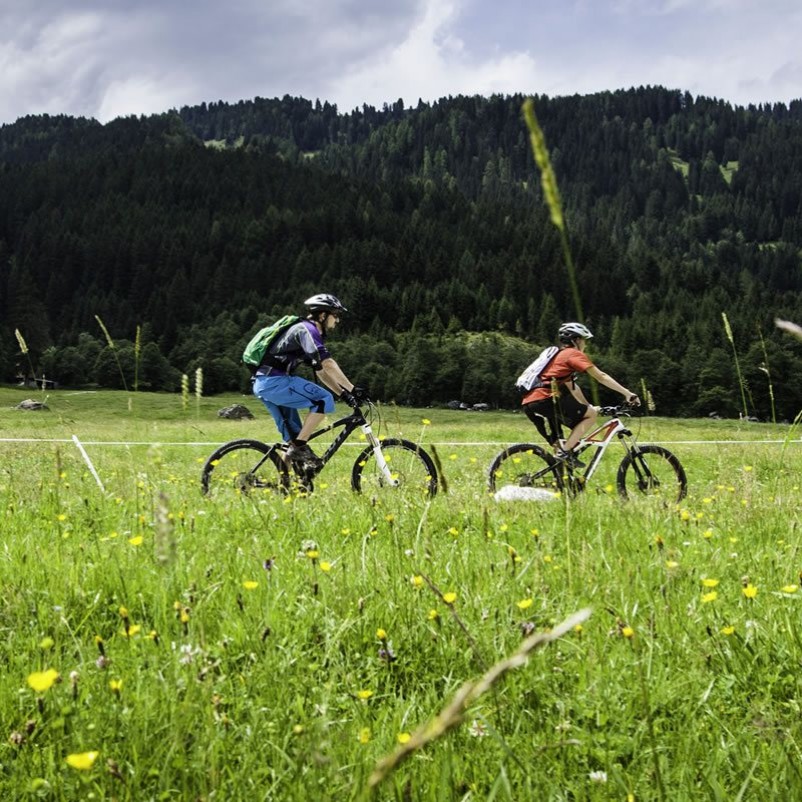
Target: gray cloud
{"type": "Point", "coordinates": [105, 58]}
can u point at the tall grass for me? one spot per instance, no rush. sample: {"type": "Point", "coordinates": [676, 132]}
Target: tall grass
{"type": "Point", "coordinates": [741, 382]}
{"type": "Point", "coordinates": [206, 650]}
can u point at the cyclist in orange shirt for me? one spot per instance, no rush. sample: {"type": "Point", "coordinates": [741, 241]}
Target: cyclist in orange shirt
{"type": "Point", "coordinates": [561, 401]}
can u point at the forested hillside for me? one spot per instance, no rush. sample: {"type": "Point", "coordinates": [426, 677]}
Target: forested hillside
{"type": "Point", "coordinates": [198, 225]}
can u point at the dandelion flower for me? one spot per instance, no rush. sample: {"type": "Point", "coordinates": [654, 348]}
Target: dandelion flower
{"type": "Point", "coordinates": [250, 584]}
{"type": "Point", "coordinates": [728, 630]}
{"type": "Point", "coordinates": [417, 582]}
{"type": "Point", "coordinates": [42, 681]}
{"type": "Point", "coordinates": [325, 566]}
{"type": "Point", "coordinates": [709, 597]}
{"type": "Point", "coordinates": [364, 694]}
{"type": "Point", "coordinates": [709, 583]}
{"type": "Point", "coordinates": [46, 643]}
{"type": "Point", "coordinates": [131, 630]}
{"type": "Point", "coordinates": [628, 632]}
{"type": "Point", "coordinates": [381, 634]}
{"type": "Point", "coordinates": [671, 564]}
{"type": "Point", "coordinates": [364, 735]}
{"type": "Point", "coordinates": [450, 597]}
{"type": "Point", "coordinates": [403, 737]}
{"type": "Point", "coordinates": [433, 615]}
{"type": "Point", "coordinates": [524, 604]}
{"type": "Point", "coordinates": [115, 686]}
{"type": "Point", "coordinates": [750, 591]}
{"type": "Point", "coordinates": [426, 422]}
{"type": "Point", "coordinates": [790, 588]}
{"type": "Point", "coordinates": [136, 540]}
{"type": "Point", "coordinates": [83, 761]}
{"type": "Point", "coordinates": [312, 554]}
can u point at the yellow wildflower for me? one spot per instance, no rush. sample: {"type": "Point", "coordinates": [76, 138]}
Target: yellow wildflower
{"type": "Point", "coordinates": [83, 761]}
{"type": "Point", "coordinates": [728, 630]}
{"type": "Point", "coordinates": [524, 604]}
{"type": "Point", "coordinates": [325, 566]}
{"type": "Point", "coordinates": [364, 735]}
{"type": "Point", "coordinates": [710, 583]}
{"type": "Point", "coordinates": [42, 681]}
{"type": "Point", "coordinates": [136, 540]}
{"type": "Point", "coordinates": [450, 597]}
{"type": "Point", "coordinates": [628, 632]}
{"type": "Point", "coordinates": [403, 737]}
{"type": "Point", "coordinates": [750, 591]}
{"type": "Point", "coordinates": [790, 588]}
{"type": "Point", "coordinates": [709, 597]}
{"type": "Point", "coordinates": [364, 694]}
{"type": "Point", "coordinates": [417, 582]}
{"type": "Point", "coordinates": [250, 584]}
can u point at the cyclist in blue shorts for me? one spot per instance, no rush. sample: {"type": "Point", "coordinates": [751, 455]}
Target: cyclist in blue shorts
{"type": "Point", "coordinates": [284, 393]}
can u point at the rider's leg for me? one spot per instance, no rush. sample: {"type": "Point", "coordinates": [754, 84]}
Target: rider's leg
{"type": "Point", "coordinates": [284, 395]}
{"type": "Point", "coordinates": [541, 414]}
{"type": "Point", "coordinates": [580, 428]}
{"type": "Point", "coordinates": [311, 422]}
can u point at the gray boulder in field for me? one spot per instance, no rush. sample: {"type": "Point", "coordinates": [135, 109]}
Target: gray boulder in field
{"type": "Point", "coordinates": [31, 406]}
{"type": "Point", "coordinates": [236, 412]}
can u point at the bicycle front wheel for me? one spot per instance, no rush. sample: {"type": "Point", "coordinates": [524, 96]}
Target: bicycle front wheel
{"type": "Point", "coordinates": [525, 465]}
{"type": "Point", "coordinates": [410, 470]}
{"type": "Point", "coordinates": [652, 471]}
{"type": "Point", "coordinates": [245, 467]}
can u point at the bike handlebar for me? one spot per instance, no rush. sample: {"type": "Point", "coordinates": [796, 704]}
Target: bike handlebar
{"type": "Point", "coordinates": [614, 411]}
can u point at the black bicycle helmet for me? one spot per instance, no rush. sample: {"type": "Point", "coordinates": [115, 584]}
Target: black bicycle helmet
{"type": "Point", "coordinates": [569, 332]}
{"type": "Point", "coordinates": [324, 302]}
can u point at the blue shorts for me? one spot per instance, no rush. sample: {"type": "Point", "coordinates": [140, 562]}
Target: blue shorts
{"type": "Point", "coordinates": [284, 395]}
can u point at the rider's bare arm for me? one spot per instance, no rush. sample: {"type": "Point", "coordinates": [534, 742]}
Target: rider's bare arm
{"type": "Point", "coordinates": [608, 381]}
{"type": "Point", "coordinates": [331, 374]}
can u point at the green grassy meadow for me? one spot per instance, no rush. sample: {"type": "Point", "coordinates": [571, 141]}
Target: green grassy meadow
{"type": "Point", "coordinates": [159, 645]}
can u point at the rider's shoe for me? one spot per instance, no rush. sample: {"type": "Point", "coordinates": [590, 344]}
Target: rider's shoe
{"type": "Point", "coordinates": [569, 458]}
{"type": "Point", "coordinates": [301, 456]}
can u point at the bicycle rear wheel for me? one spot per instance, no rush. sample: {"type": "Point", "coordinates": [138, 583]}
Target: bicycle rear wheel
{"type": "Point", "coordinates": [652, 471]}
{"type": "Point", "coordinates": [525, 465]}
{"type": "Point", "coordinates": [412, 470]}
{"type": "Point", "coordinates": [245, 467]}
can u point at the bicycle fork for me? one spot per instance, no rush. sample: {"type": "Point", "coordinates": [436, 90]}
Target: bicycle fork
{"type": "Point", "coordinates": [376, 445]}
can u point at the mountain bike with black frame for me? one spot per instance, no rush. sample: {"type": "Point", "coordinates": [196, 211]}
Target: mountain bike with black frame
{"type": "Point", "coordinates": [254, 468]}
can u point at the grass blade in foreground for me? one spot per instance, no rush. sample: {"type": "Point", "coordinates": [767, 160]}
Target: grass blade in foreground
{"type": "Point", "coordinates": [453, 714]}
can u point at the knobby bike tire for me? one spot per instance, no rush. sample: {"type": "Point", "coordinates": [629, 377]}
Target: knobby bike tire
{"type": "Point", "coordinates": [408, 462]}
{"type": "Point", "coordinates": [233, 468]}
{"type": "Point", "coordinates": [525, 465]}
{"type": "Point", "coordinates": [652, 471]}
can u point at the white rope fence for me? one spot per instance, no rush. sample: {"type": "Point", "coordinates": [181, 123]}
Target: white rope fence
{"type": "Point", "coordinates": [454, 444]}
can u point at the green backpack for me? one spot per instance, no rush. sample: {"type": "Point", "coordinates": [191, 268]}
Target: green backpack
{"type": "Point", "coordinates": [255, 350]}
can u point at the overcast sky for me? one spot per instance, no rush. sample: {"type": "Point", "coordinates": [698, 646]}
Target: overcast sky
{"type": "Point", "coordinates": [107, 58]}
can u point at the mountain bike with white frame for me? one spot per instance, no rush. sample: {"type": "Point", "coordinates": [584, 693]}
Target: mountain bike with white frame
{"type": "Point", "coordinates": [645, 470]}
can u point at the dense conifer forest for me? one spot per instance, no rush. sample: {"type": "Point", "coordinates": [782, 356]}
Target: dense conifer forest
{"type": "Point", "coordinates": [196, 226]}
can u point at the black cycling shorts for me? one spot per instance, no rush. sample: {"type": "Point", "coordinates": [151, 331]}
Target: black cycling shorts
{"type": "Point", "coordinates": [549, 413]}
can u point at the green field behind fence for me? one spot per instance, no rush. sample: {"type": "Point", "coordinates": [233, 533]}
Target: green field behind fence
{"type": "Point", "coordinates": [269, 648]}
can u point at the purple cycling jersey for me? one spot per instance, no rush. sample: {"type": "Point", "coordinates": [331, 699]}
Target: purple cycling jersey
{"type": "Point", "coordinates": [300, 343]}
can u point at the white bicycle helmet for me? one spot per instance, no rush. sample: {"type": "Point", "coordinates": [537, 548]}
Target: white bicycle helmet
{"type": "Point", "coordinates": [569, 332]}
{"type": "Point", "coordinates": [324, 302]}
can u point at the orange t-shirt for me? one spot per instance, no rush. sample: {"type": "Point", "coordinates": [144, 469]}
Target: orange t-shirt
{"type": "Point", "coordinates": [565, 364]}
